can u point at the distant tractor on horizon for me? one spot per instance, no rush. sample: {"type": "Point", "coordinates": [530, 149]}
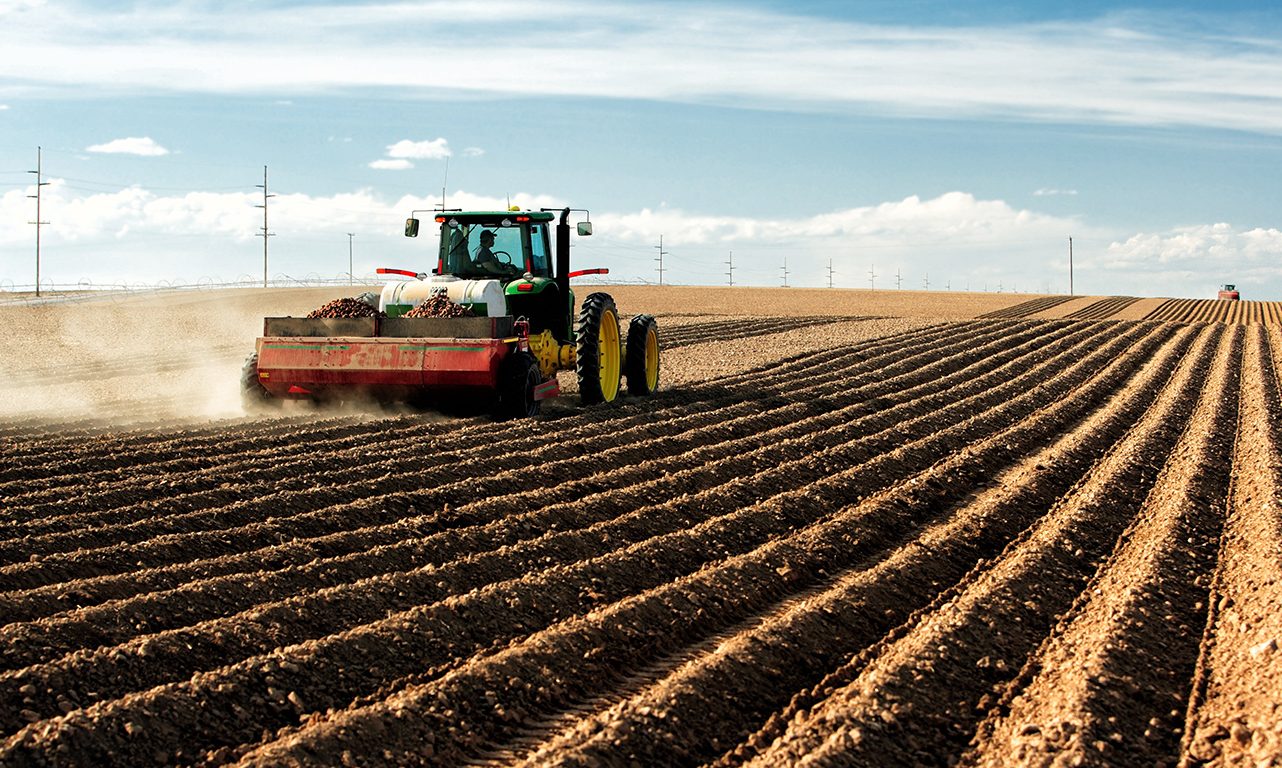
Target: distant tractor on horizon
{"type": "Point", "coordinates": [1228, 292]}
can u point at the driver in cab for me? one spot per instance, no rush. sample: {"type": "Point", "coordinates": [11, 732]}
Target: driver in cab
{"type": "Point", "coordinates": [485, 260]}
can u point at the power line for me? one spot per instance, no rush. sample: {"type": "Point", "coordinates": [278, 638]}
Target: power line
{"type": "Point", "coordinates": [264, 234]}
{"type": "Point", "coordinates": [662, 253]}
{"type": "Point", "coordinates": [38, 222]}
{"type": "Point", "coordinates": [350, 278]}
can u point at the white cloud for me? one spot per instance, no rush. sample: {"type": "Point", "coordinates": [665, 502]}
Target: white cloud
{"type": "Point", "coordinates": [391, 165]}
{"type": "Point", "coordinates": [3, 107]}
{"type": "Point", "coordinates": [473, 152]}
{"type": "Point", "coordinates": [436, 149]}
{"type": "Point", "coordinates": [1049, 192]}
{"type": "Point", "coordinates": [143, 146]}
{"type": "Point", "coordinates": [954, 239]}
{"type": "Point", "coordinates": [1119, 70]}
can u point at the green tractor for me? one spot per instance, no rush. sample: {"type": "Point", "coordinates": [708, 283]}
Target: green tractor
{"type": "Point", "coordinates": [516, 264]}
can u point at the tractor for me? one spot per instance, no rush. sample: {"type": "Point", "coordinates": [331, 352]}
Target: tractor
{"type": "Point", "coordinates": [511, 269]}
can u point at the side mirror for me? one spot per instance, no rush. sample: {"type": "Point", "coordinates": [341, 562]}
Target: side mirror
{"type": "Point", "coordinates": [411, 227]}
{"type": "Point", "coordinates": [585, 228]}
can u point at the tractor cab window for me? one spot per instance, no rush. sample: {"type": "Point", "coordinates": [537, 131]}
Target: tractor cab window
{"type": "Point", "coordinates": [539, 266]}
{"type": "Point", "coordinates": [478, 251]}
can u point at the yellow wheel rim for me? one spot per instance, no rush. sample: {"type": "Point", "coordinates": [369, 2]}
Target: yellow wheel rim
{"type": "Point", "coordinates": [610, 352]}
{"type": "Point", "coordinates": [651, 360]}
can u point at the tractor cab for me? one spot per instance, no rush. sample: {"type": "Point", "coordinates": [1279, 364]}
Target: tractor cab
{"type": "Point", "coordinates": [499, 246]}
{"type": "Point", "coordinates": [522, 252]}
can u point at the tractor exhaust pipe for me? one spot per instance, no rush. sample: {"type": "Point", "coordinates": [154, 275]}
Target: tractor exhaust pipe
{"type": "Point", "coordinates": [563, 255]}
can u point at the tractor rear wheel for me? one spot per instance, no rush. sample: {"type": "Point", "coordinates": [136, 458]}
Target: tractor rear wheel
{"type": "Point", "coordinates": [597, 350]}
{"type": "Point", "coordinates": [641, 364]}
{"type": "Point", "coordinates": [519, 374]}
{"type": "Point", "coordinates": [253, 395]}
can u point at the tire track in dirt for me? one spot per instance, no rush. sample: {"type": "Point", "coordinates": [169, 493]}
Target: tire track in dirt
{"type": "Point", "coordinates": [584, 652]}
{"type": "Point", "coordinates": [1112, 683]}
{"type": "Point", "coordinates": [331, 601]}
{"type": "Point", "coordinates": [917, 696]}
{"type": "Point", "coordinates": [553, 591]}
{"type": "Point", "coordinates": [1234, 716]}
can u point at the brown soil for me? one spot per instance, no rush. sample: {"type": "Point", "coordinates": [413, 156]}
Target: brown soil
{"type": "Point", "coordinates": [850, 528]}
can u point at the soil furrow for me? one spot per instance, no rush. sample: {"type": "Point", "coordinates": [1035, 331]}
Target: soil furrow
{"type": "Point", "coordinates": [917, 698]}
{"type": "Point", "coordinates": [118, 620]}
{"type": "Point", "coordinates": [554, 590]}
{"type": "Point", "coordinates": [718, 700]}
{"type": "Point", "coordinates": [310, 512]}
{"type": "Point", "coordinates": [195, 491]}
{"type": "Point", "coordinates": [1235, 716]}
{"type": "Point", "coordinates": [587, 651]}
{"type": "Point", "coordinates": [331, 609]}
{"type": "Point", "coordinates": [1112, 682]}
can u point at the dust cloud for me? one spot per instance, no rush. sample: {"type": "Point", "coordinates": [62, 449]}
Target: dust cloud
{"type": "Point", "coordinates": [126, 358]}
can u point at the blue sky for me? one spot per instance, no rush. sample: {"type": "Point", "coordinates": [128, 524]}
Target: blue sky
{"type": "Point", "coordinates": [956, 145]}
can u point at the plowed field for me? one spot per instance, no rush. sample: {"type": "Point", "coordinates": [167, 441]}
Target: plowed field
{"type": "Point", "coordinates": [842, 539]}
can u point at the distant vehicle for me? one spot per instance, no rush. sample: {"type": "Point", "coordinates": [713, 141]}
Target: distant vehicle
{"type": "Point", "coordinates": [1229, 293]}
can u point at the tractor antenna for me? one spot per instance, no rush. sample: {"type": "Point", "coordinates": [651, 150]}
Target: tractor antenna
{"type": "Point", "coordinates": [445, 181]}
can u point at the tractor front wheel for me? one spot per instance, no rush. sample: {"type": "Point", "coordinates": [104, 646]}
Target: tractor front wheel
{"type": "Point", "coordinates": [641, 364]}
{"type": "Point", "coordinates": [598, 351]}
{"type": "Point", "coordinates": [518, 376]}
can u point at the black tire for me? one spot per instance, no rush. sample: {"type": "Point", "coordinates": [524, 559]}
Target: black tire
{"type": "Point", "coordinates": [597, 350]}
{"type": "Point", "coordinates": [519, 374]}
{"type": "Point", "coordinates": [641, 362]}
{"type": "Point", "coordinates": [253, 395]}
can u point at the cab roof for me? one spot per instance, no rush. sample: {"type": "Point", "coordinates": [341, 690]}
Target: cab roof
{"type": "Point", "coordinates": [493, 217]}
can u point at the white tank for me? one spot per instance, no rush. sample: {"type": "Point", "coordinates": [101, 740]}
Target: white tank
{"type": "Point", "coordinates": [485, 297]}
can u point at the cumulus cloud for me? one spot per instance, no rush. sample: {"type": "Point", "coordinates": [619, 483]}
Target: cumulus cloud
{"type": "Point", "coordinates": [143, 146]}
{"type": "Point", "coordinates": [1050, 192]}
{"type": "Point", "coordinates": [400, 156]}
{"type": "Point", "coordinates": [391, 165]}
{"type": "Point", "coordinates": [955, 240]}
{"type": "Point", "coordinates": [436, 149]}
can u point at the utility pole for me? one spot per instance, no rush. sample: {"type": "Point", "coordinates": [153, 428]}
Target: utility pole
{"type": "Point", "coordinates": [730, 268]}
{"type": "Point", "coordinates": [926, 281]}
{"type": "Point", "coordinates": [662, 253]}
{"type": "Point", "coordinates": [1070, 266]}
{"type": "Point", "coordinates": [264, 234]}
{"type": "Point", "coordinates": [872, 277]}
{"type": "Point", "coordinates": [785, 271]}
{"type": "Point", "coordinates": [829, 273]}
{"type": "Point", "coordinates": [351, 280]}
{"type": "Point", "coordinates": [40, 182]}
{"type": "Point", "coordinates": [898, 278]}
